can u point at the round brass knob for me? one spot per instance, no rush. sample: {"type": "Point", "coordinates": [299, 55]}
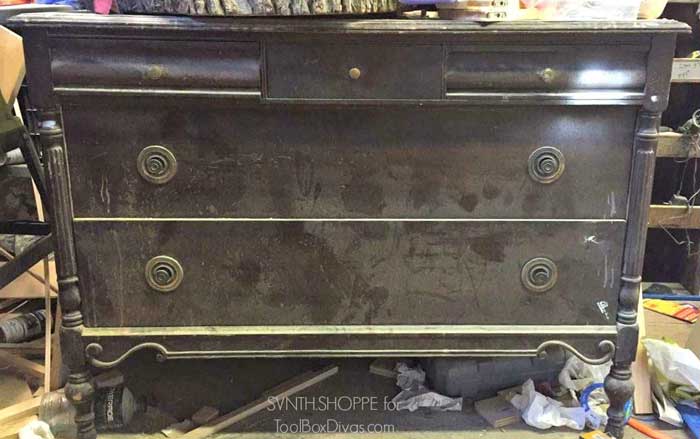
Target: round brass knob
{"type": "Point", "coordinates": [354, 73]}
{"type": "Point", "coordinates": [154, 72]}
{"type": "Point", "coordinates": [546, 164]}
{"type": "Point", "coordinates": [163, 273]}
{"type": "Point", "coordinates": [547, 75]}
{"type": "Point", "coordinates": [539, 275]}
{"type": "Point", "coordinates": [156, 164]}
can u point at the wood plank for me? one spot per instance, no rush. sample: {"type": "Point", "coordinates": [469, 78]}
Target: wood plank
{"type": "Point", "coordinates": [33, 348]}
{"type": "Point", "coordinates": [31, 368]}
{"type": "Point", "coordinates": [283, 391]}
{"type": "Point", "coordinates": [12, 68]}
{"type": "Point", "coordinates": [693, 342]}
{"type": "Point", "coordinates": [676, 145]}
{"type": "Point", "coordinates": [674, 217]}
{"type": "Point", "coordinates": [663, 326]}
{"type": "Point", "coordinates": [384, 367]}
{"type": "Point", "coordinates": [12, 428]}
{"type": "Point", "coordinates": [686, 70]}
{"type": "Point", "coordinates": [30, 284]}
{"type": "Point", "coordinates": [13, 390]}
{"type": "Point", "coordinates": [19, 411]}
{"type": "Point", "coordinates": [640, 368]}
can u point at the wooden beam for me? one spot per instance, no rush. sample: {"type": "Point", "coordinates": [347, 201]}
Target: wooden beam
{"type": "Point", "coordinates": [30, 368]}
{"type": "Point", "coordinates": [674, 217]}
{"type": "Point", "coordinates": [29, 407]}
{"type": "Point", "coordinates": [640, 368]}
{"type": "Point", "coordinates": [29, 349]}
{"type": "Point", "coordinates": [282, 391]}
{"type": "Point", "coordinates": [29, 285]}
{"type": "Point", "coordinates": [676, 145]}
{"type": "Point", "coordinates": [686, 70]}
{"type": "Point", "coordinates": [11, 429]}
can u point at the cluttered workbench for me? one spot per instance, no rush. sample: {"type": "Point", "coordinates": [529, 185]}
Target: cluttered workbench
{"type": "Point", "coordinates": [343, 187]}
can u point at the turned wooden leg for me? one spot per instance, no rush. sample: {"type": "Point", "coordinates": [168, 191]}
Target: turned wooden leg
{"type": "Point", "coordinates": [618, 384]}
{"type": "Point", "coordinates": [79, 389]}
{"type": "Point", "coordinates": [619, 388]}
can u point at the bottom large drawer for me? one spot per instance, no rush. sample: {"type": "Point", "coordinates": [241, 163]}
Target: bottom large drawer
{"type": "Point", "coordinates": [306, 273]}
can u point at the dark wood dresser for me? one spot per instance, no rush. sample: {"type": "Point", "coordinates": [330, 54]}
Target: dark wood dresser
{"type": "Point", "coordinates": [326, 187]}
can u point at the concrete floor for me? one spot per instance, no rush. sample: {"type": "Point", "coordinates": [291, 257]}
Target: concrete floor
{"type": "Point", "coordinates": [176, 389]}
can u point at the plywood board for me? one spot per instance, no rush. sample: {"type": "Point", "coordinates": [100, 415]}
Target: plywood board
{"type": "Point", "coordinates": [27, 286]}
{"type": "Point", "coordinates": [663, 326]}
{"type": "Point", "coordinates": [640, 370]}
{"type": "Point", "coordinates": [12, 65]}
{"type": "Point", "coordinates": [13, 390]}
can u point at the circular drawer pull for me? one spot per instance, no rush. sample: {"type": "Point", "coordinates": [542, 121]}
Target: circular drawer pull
{"type": "Point", "coordinates": [354, 73]}
{"type": "Point", "coordinates": [539, 275]}
{"type": "Point", "coordinates": [156, 164]}
{"type": "Point", "coordinates": [163, 273]}
{"type": "Point", "coordinates": [546, 164]}
{"type": "Point", "coordinates": [547, 75]}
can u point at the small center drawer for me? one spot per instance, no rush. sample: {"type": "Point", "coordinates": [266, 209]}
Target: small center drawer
{"type": "Point", "coordinates": [353, 71]}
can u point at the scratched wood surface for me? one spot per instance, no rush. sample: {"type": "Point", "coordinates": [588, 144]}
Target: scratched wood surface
{"type": "Point", "coordinates": [370, 162]}
{"type": "Point", "coordinates": [303, 273]}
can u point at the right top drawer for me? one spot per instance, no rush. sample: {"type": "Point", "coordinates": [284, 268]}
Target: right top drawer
{"type": "Point", "coordinates": [546, 68]}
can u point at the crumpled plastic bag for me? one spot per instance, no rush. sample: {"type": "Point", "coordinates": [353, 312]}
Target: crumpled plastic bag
{"type": "Point", "coordinates": [676, 364]}
{"type": "Point", "coordinates": [415, 394]}
{"type": "Point", "coordinates": [36, 430]}
{"type": "Point", "coordinates": [542, 412]}
{"type": "Point", "coordinates": [577, 375]}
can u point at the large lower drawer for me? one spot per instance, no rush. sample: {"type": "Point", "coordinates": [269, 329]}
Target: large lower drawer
{"type": "Point", "coordinates": [264, 273]}
{"type": "Point", "coordinates": [252, 161]}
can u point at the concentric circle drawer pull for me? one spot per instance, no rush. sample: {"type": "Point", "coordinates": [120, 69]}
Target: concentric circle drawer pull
{"type": "Point", "coordinates": [539, 275]}
{"type": "Point", "coordinates": [547, 75]}
{"type": "Point", "coordinates": [163, 273]}
{"type": "Point", "coordinates": [354, 73]}
{"type": "Point", "coordinates": [156, 164]}
{"type": "Point", "coordinates": [546, 164]}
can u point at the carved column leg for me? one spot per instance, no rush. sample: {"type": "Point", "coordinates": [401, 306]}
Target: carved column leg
{"type": "Point", "coordinates": [618, 384]}
{"type": "Point", "coordinates": [79, 389]}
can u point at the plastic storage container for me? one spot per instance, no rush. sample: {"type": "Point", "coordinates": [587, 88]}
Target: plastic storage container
{"type": "Point", "coordinates": [476, 378]}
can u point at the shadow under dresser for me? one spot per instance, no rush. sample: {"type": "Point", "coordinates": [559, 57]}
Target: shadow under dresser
{"type": "Point", "coordinates": [335, 187]}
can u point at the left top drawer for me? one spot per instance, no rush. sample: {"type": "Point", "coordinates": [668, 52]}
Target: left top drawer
{"type": "Point", "coordinates": [188, 65]}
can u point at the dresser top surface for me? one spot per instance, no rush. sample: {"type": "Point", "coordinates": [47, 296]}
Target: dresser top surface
{"type": "Point", "coordinates": [61, 23]}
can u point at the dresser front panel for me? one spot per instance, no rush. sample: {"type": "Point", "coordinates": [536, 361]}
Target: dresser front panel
{"type": "Point", "coordinates": [348, 187]}
{"type": "Point", "coordinates": [285, 161]}
{"type": "Point", "coordinates": [349, 272]}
